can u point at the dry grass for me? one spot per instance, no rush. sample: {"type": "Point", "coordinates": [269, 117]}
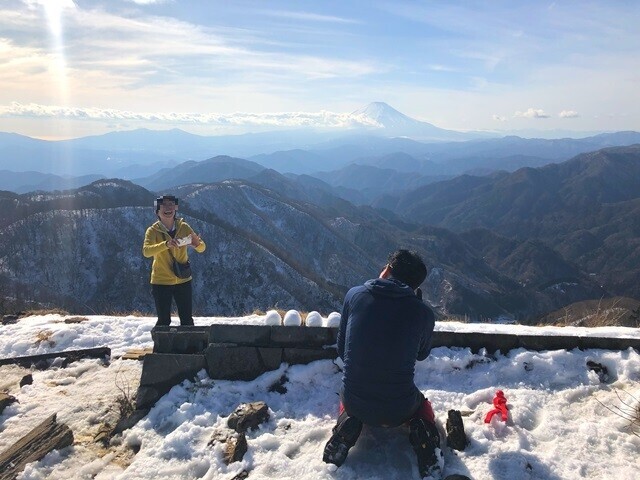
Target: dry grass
{"type": "Point", "coordinates": [455, 318]}
{"type": "Point", "coordinates": [600, 316]}
{"type": "Point", "coordinates": [628, 408]}
{"type": "Point", "coordinates": [48, 311]}
{"type": "Point", "coordinates": [44, 336]}
{"type": "Point", "coordinates": [132, 313]}
{"type": "Point", "coordinates": [125, 401]}
{"type": "Point", "coordinates": [605, 312]}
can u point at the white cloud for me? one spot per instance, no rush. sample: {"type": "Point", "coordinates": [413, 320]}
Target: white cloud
{"type": "Point", "coordinates": [314, 17]}
{"type": "Point", "coordinates": [568, 114]}
{"type": "Point", "coordinates": [147, 2]}
{"type": "Point", "coordinates": [52, 4]}
{"type": "Point", "coordinates": [531, 113]}
{"type": "Point", "coordinates": [281, 119]}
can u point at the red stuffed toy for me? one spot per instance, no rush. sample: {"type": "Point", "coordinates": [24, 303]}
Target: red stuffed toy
{"type": "Point", "coordinates": [500, 404]}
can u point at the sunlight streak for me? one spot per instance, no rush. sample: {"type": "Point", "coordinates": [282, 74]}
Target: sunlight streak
{"type": "Point", "coordinates": [54, 11]}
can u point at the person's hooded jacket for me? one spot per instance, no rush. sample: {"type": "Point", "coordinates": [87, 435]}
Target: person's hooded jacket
{"type": "Point", "coordinates": [384, 329]}
{"type": "Point", "coordinates": [155, 246]}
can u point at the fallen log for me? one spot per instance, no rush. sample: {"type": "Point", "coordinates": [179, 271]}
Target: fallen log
{"type": "Point", "coordinates": [47, 436]}
{"type": "Point", "coordinates": [69, 356]}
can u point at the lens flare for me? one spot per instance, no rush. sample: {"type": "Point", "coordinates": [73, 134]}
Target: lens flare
{"type": "Point", "coordinates": [54, 10]}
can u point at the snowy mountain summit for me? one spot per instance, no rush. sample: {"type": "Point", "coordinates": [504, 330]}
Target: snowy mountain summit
{"type": "Point", "coordinates": [386, 116]}
{"type": "Point", "coordinates": [389, 121]}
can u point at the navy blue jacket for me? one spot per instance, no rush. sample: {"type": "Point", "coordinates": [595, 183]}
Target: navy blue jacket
{"type": "Point", "coordinates": [384, 329]}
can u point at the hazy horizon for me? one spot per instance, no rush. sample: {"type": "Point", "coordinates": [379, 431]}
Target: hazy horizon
{"type": "Point", "coordinates": [74, 69]}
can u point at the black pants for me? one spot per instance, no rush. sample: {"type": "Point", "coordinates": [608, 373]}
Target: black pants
{"type": "Point", "coordinates": [181, 293]}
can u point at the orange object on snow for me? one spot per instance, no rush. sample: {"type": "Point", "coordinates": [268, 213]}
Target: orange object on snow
{"type": "Point", "coordinates": [500, 404]}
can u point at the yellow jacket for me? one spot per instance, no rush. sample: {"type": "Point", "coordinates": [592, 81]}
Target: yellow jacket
{"type": "Point", "coordinates": [155, 246]}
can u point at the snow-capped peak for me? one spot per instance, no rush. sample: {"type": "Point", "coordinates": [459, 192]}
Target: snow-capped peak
{"type": "Point", "coordinates": [383, 114]}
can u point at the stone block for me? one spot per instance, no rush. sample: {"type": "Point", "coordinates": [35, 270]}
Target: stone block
{"type": "Point", "coordinates": [608, 343]}
{"type": "Point", "coordinates": [162, 367]}
{"type": "Point", "coordinates": [255, 335]}
{"type": "Point", "coordinates": [181, 340]}
{"type": "Point", "coordinates": [296, 356]}
{"type": "Point", "coordinates": [476, 341]}
{"type": "Point", "coordinates": [161, 371]}
{"type": "Point", "coordinates": [304, 337]}
{"type": "Point", "coordinates": [544, 342]}
{"type": "Point", "coordinates": [233, 362]}
{"type": "Point", "coordinates": [271, 357]}
{"type": "Point", "coordinates": [147, 396]}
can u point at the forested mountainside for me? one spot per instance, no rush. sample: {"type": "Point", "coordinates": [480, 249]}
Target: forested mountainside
{"type": "Point", "coordinates": [81, 249]}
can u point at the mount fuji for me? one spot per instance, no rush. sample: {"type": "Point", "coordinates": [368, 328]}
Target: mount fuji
{"type": "Point", "coordinates": [388, 121]}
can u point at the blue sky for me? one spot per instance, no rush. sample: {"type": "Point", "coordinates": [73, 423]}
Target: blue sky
{"type": "Point", "coordinates": [70, 69]}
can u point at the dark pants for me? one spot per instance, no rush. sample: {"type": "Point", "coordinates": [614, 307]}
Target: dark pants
{"type": "Point", "coordinates": [181, 293]}
{"type": "Point", "coordinates": [423, 412]}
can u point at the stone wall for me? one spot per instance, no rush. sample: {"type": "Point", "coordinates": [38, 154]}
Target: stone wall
{"type": "Point", "coordinates": [243, 352]}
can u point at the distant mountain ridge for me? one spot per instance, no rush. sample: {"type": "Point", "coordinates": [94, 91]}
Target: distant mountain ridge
{"type": "Point", "coordinates": [22, 182]}
{"type": "Point", "coordinates": [212, 170]}
{"type": "Point", "coordinates": [587, 208]}
{"type": "Point", "coordinates": [80, 250]}
{"type": "Point", "coordinates": [132, 154]}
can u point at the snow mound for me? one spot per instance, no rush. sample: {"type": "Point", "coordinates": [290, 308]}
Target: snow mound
{"type": "Point", "coordinates": [272, 318]}
{"type": "Point", "coordinates": [313, 319]}
{"type": "Point", "coordinates": [333, 320]}
{"type": "Point", "coordinates": [292, 319]}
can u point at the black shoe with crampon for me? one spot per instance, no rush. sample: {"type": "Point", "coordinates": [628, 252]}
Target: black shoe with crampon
{"type": "Point", "coordinates": [425, 440]}
{"type": "Point", "coordinates": [345, 434]}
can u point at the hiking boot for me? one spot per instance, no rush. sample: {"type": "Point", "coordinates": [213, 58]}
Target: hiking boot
{"type": "Point", "coordinates": [425, 440]}
{"type": "Point", "coordinates": [345, 434]}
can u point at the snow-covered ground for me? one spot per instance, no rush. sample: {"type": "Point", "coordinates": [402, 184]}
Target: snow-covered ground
{"type": "Point", "coordinates": [564, 423]}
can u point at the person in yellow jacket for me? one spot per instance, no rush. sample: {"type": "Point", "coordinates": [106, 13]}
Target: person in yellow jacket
{"type": "Point", "coordinates": [167, 241]}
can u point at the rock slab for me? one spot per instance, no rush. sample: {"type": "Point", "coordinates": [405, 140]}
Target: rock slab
{"type": "Point", "coordinates": [49, 435]}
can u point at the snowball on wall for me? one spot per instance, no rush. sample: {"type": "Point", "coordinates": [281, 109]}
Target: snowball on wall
{"type": "Point", "coordinates": [333, 320]}
{"type": "Point", "coordinates": [272, 318]}
{"type": "Point", "coordinates": [292, 318]}
{"type": "Point", "coordinates": [313, 319]}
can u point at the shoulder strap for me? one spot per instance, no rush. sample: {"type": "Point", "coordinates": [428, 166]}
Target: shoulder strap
{"type": "Point", "coordinates": [165, 233]}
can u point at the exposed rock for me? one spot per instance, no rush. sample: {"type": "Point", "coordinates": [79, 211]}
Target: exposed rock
{"type": "Point", "coordinates": [218, 437]}
{"type": "Point", "coordinates": [26, 380]}
{"type": "Point", "coordinates": [5, 401]}
{"type": "Point", "coordinates": [75, 319]}
{"type": "Point", "coordinates": [47, 436]}
{"type": "Point", "coordinates": [456, 438]}
{"type": "Point", "coordinates": [599, 369]}
{"type": "Point", "coordinates": [235, 449]}
{"type": "Point", "coordinates": [248, 416]}
{"type": "Point", "coordinates": [9, 319]}
{"type": "Point", "coordinates": [278, 386]}
{"type": "Point", "coordinates": [104, 434]}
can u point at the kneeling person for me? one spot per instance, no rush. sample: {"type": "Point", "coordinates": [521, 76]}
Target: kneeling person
{"type": "Point", "coordinates": [385, 328]}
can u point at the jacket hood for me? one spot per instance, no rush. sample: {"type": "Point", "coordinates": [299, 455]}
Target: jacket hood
{"type": "Point", "coordinates": [389, 287]}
